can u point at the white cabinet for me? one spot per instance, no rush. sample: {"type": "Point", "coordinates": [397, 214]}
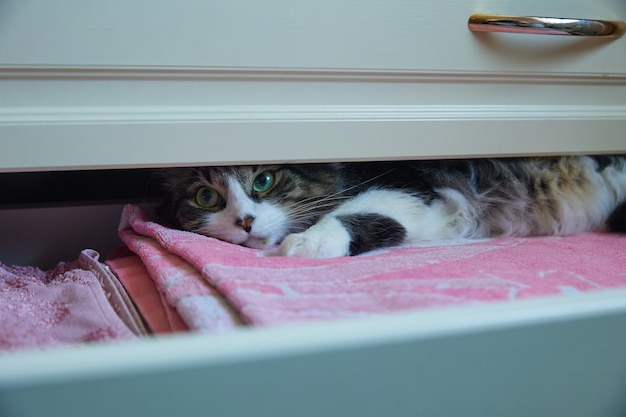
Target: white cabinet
{"type": "Point", "coordinates": [139, 83]}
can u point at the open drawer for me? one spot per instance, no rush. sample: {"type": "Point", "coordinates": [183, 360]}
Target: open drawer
{"type": "Point", "coordinates": [540, 356]}
{"type": "Point", "coordinates": [543, 357]}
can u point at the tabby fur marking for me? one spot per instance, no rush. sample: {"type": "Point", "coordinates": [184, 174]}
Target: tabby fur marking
{"type": "Point", "coordinates": [329, 210]}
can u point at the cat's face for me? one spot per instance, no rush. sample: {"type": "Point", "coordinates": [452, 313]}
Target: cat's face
{"type": "Point", "coordinates": [253, 206]}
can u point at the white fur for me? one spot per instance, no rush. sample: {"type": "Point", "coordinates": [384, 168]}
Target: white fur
{"type": "Point", "coordinates": [608, 190]}
{"type": "Point", "coordinates": [325, 239]}
{"type": "Point", "coordinates": [588, 208]}
{"type": "Point", "coordinates": [439, 220]}
{"type": "Point", "coordinates": [328, 238]}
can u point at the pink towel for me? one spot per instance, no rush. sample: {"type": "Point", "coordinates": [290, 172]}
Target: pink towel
{"type": "Point", "coordinates": [157, 312]}
{"type": "Point", "coordinates": [267, 290]}
{"type": "Point", "coordinates": [197, 302]}
{"type": "Point", "coordinates": [62, 306]}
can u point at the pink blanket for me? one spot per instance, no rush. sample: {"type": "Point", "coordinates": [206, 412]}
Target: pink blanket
{"type": "Point", "coordinates": [211, 282]}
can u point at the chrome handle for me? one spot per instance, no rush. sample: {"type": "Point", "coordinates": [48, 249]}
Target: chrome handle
{"type": "Point", "coordinates": [545, 25]}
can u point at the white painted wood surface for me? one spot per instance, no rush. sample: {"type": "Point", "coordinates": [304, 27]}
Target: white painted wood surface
{"type": "Point", "coordinates": [149, 83]}
{"type": "Point", "coordinates": [544, 357]}
{"type": "Point", "coordinates": [352, 34]}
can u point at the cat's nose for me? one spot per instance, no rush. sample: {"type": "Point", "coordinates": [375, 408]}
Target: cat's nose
{"type": "Point", "coordinates": [245, 224]}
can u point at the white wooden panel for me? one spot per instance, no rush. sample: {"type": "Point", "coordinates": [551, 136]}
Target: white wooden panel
{"type": "Point", "coordinates": [52, 147]}
{"type": "Point", "coordinates": [127, 118]}
{"type": "Point", "coordinates": [544, 357]}
{"type": "Point", "coordinates": [365, 34]}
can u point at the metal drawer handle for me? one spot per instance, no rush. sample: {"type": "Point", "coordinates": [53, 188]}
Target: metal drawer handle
{"type": "Point", "coordinates": [545, 25]}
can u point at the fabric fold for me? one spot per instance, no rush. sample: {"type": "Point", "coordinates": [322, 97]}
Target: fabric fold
{"type": "Point", "coordinates": [75, 302]}
{"type": "Point", "coordinates": [182, 286]}
{"type": "Point", "coordinates": [160, 317]}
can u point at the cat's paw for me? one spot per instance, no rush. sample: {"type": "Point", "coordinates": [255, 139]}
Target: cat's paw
{"type": "Point", "coordinates": [323, 240]}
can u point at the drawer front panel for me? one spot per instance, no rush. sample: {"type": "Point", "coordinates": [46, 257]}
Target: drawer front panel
{"type": "Point", "coordinates": [403, 35]}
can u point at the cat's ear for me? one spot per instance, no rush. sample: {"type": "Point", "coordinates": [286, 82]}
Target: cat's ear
{"type": "Point", "coordinates": [171, 178]}
{"type": "Point", "coordinates": [325, 167]}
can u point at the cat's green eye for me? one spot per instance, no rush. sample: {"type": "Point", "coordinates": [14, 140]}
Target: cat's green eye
{"type": "Point", "coordinates": [263, 182]}
{"type": "Point", "coordinates": [208, 198]}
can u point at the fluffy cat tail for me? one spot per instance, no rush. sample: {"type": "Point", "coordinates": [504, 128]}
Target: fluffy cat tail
{"type": "Point", "coordinates": [616, 221]}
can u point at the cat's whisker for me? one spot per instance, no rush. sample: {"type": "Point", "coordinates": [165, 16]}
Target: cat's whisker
{"type": "Point", "coordinates": [323, 202]}
{"type": "Point", "coordinates": [306, 210]}
{"type": "Point", "coordinates": [340, 195]}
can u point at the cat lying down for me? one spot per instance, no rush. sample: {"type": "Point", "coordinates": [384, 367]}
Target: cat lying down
{"type": "Point", "coordinates": [329, 210]}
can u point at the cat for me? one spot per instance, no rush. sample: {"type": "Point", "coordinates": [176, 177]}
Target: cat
{"type": "Point", "coordinates": [331, 210]}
